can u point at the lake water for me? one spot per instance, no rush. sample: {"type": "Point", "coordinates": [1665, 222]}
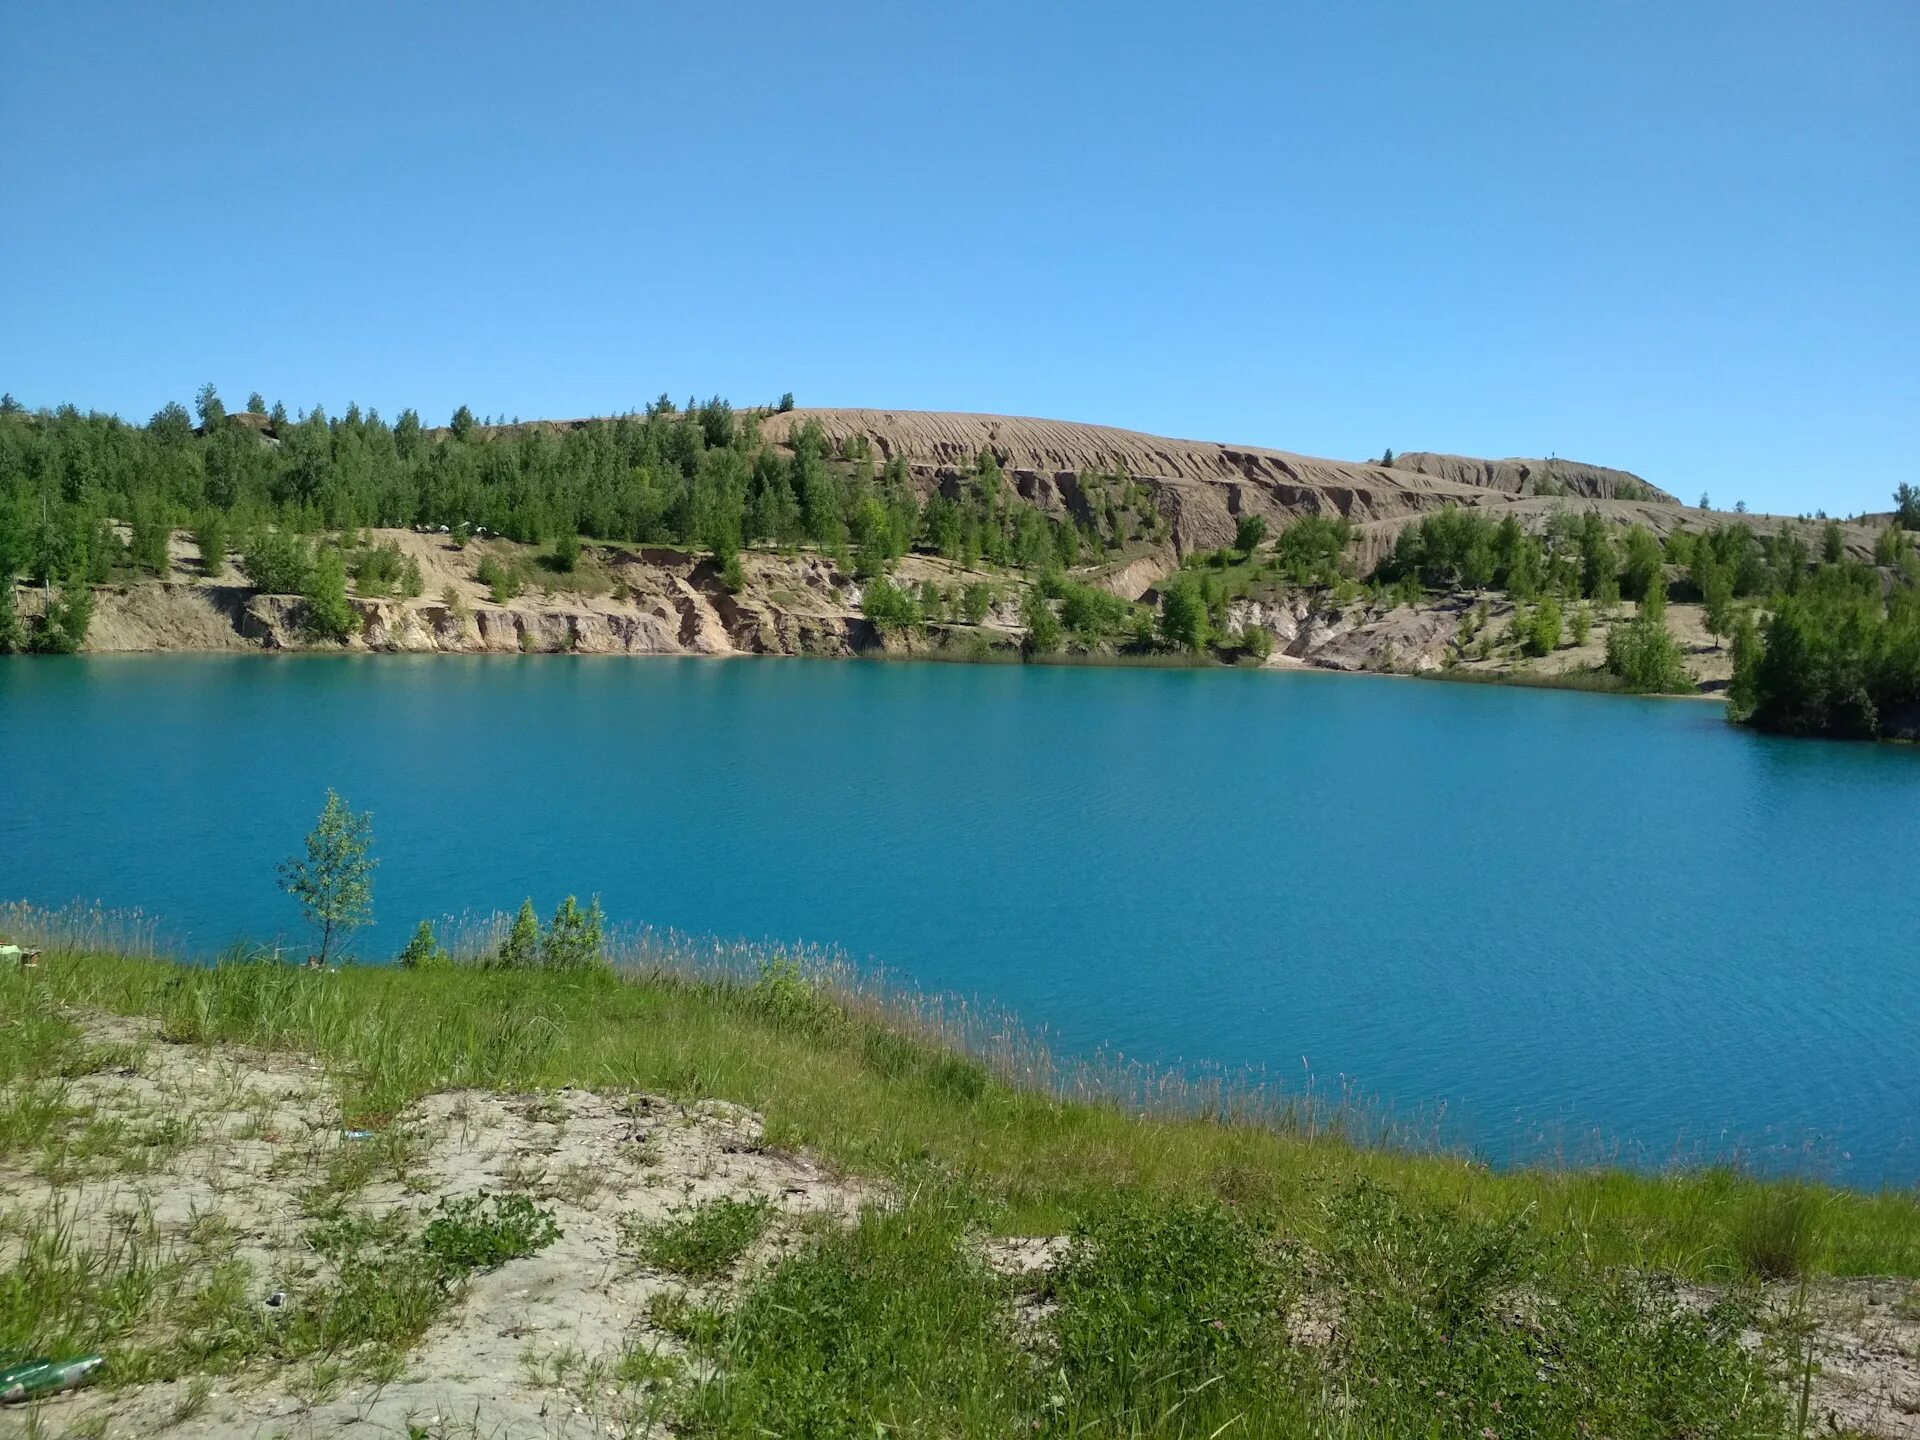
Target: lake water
{"type": "Point", "coordinates": [1558, 916]}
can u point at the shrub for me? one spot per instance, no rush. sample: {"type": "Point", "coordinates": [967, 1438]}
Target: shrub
{"type": "Point", "coordinates": [210, 535]}
{"type": "Point", "coordinates": [1248, 532]}
{"type": "Point", "coordinates": [1775, 1236]}
{"type": "Point", "coordinates": [423, 950]}
{"type": "Point", "coordinates": [573, 939]}
{"type": "Point", "coordinates": [329, 614]}
{"type": "Point", "coordinates": [1646, 657]}
{"type": "Point", "coordinates": [889, 607]}
{"type": "Point", "coordinates": [1044, 631]}
{"type": "Point", "coordinates": [503, 581]}
{"type": "Point", "coordinates": [1090, 612]}
{"type": "Point", "coordinates": [1543, 629]}
{"type": "Point", "coordinates": [1184, 622]}
{"type": "Point", "coordinates": [566, 553]}
{"type": "Point", "coordinates": [521, 951]}
{"type": "Point", "coordinates": [277, 562]}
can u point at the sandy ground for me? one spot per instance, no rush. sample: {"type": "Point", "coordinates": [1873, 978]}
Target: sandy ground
{"type": "Point", "coordinates": [528, 1350]}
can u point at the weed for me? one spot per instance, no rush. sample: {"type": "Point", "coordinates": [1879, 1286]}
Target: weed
{"type": "Point", "coordinates": [483, 1232]}
{"type": "Point", "coordinates": [701, 1243]}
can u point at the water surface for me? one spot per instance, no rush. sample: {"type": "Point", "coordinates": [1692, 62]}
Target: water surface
{"type": "Point", "coordinates": [1557, 915]}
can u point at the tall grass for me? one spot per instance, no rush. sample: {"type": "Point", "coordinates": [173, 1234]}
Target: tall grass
{"type": "Point", "coordinates": [883, 1082]}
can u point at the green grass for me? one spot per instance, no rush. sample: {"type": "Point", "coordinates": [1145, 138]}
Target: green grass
{"type": "Point", "coordinates": [831, 1076]}
{"type": "Point", "coordinates": [699, 1243]}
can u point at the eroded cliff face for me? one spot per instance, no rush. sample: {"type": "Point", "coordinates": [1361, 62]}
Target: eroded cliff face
{"type": "Point", "coordinates": [1203, 487]}
{"type": "Point", "coordinates": [660, 603]}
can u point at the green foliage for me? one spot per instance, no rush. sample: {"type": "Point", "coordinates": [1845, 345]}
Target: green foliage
{"type": "Point", "coordinates": [1312, 549]}
{"type": "Point", "coordinates": [1256, 643]}
{"type": "Point", "coordinates": [1543, 629]}
{"type": "Point", "coordinates": [1646, 658]}
{"type": "Point", "coordinates": [385, 569]}
{"type": "Point", "coordinates": [329, 615]}
{"type": "Point", "coordinates": [521, 951]}
{"type": "Point", "coordinates": [702, 1242]}
{"type": "Point", "coordinates": [423, 950]}
{"type": "Point", "coordinates": [1906, 506]}
{"type": "Point", "coordinates": [1248, 532]}
{"type": "Point", "coordinates": [1892, 549]}
{"type": "Point", "coordinates": [13, 637]}
{"type": "Point", "coordinates": [334, 881]}
{"type": "Point", "coordinates": [503, 580]}
{"type": "Point", "coordinates": [483, 1232]}
{"type": "Point", "coordinates": [1092, 613]}
{"type": "Point", "coordinates": [62, 630]}
{"type": "Point", "coordinates": [1644, 570]}
{"type": "Point", "coordinates": [573, 940]}
{"type": "Point", "coordinates": [1044, 630]}
{"type": "Point", "coordinates": [277, 562]}
{"type": "Point", "coordinates": [1777, 1237]}
{"type": "Point", "coordinates": [566, 553]}
{"type": "Point", "coordinates": [1582, 623]}
{"type": "Point", "coordinates": [888, 606]}
{"type": "Point", "coordinates": [1185, 621]}
{"type": "Point", "coordinates": [786, 402]}
{"type": "Point", "coordinates": [210, 535]}
{"type": "Point", "coordinates": [1836, 660]}
{"type": "Point", "coordinates": [148, 547]}
{"type": "Point", "coordinates": [977, 600]}
{"type": "Point", "coordinates": [1166, 1309]}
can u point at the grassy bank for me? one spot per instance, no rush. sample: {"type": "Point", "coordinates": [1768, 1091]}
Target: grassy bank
{"type": "Point", "coordinates": [1250, 1270]}
{"type": "Point", "coordinates": [847, 1078]}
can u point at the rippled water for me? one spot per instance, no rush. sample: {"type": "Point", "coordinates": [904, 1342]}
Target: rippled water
{"type": "Point", "coordinates": [1574, 922]}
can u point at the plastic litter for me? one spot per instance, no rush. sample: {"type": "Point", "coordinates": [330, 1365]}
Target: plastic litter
{"type": "Point", "coordinates": [276, 1299]}
{"type": "Point", "coordinates": [37, 1378]}
{"type": "Point", "coordinates": [356, 1134]}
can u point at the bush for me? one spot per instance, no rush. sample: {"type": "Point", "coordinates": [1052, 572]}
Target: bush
{"type": "Point", "coordinates": [889, 607]}
{"type": "Point", "coordinates": [573, 940]}
{"type": "Point", "coordinates": [1092, 613]}
{"type": "Point", "coordinates": [566, 553]}
{"type": "Point", "coordinates": [329, 614]}
{"type": "Point", "coordinates": [1184, 621]}
{"type": "Point", "coordinates": [277, 562]}
{"type": "Point", "coordinates": [1248, 532]}
{"type": "Point", "coordinates": [423, 950]}
{"type": "Point", "coordinates": [1543, 629]}
{"type": "Point", "coordinates": [521, 951]}
{"type": "Point", "coordinates": [210, 535]}
{"type": "Point", "coordinates": [1646, 657]}
{"type": "Point", "coordinates": [503, 581]}
{"type": "Point", "coordinates": [1044, 631]}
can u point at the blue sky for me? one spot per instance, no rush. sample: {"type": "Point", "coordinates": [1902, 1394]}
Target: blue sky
{"type": "Point", "coordinates": [1684, 239]}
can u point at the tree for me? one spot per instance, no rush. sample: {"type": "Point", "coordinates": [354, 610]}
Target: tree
{"type": "Point", "coordinates": [1386, 457]}
{"type": "Point", "coordinates": [210, 534]}
{"type": "Point", "coordinates": [1248, 533]}
{"type": "Point", "coordinates": [1183, 614]}
{"type": "Point", "coordinates": [211, 411]}
{"type": "Point", "coordinates": [566, 553]}
{"type": "Point", "coordinates": [256, 403]}
{"type": "Point", "coordinates": [1644, 655]}
{"type": "Point", "coordinates": [334, 882]}
{"type": "Point", "coordinates": [786, 403]}
{"type": "Point", "coordinates": [1645, 564]}
{"type": "Point", "coordinates": [1739, 507]}
{"type": "Point", "coordinates": [1543, 629]}
{"type": "Point", "coordinates": [1582, 623]}
{"type": "Point", "coordinates": [888, 606]}
{"type": "Point", "coordinates": [1705, 503]}
{"type": "Point", "coordinates": [1906, 506]}
{"type": "Point", "coordinates": [423, 950]}
{"type": "Point", "coordinates": [573, 939]}
{"type": "Point", "coordinates": [1833, 543]}
{"type": "Point", "coordinates": [63, 629]}
{"type": "Point", "coordinates": [1044, 631]}
{"type": "Point", "coordinates": [462, 423]}
{"type": "Point", "coordinates": [1717, 591]}
{"type": "Point", "coordinates": [330, 615]}
{"type": "Point", "coordinates": [522, 948]}
{"type": "Point", "coordinates": [12, 638]}
{"type": "Point", "coordinates": [11, 406]}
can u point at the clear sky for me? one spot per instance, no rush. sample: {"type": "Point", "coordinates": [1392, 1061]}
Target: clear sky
{"type": "Point", "coordinates": [1680, 238]}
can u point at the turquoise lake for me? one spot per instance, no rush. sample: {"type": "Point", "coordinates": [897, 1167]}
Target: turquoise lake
{"type": "Point", "coordinates": [1569, 924]}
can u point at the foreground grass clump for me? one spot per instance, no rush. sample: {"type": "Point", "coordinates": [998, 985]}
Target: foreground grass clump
{"type": "Point", "coordinates": [1173, 1318]}
{"type": "Point", "coordinates": [701, 1243]}
{"type": "Point", "coordinates": [829, 1073]}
